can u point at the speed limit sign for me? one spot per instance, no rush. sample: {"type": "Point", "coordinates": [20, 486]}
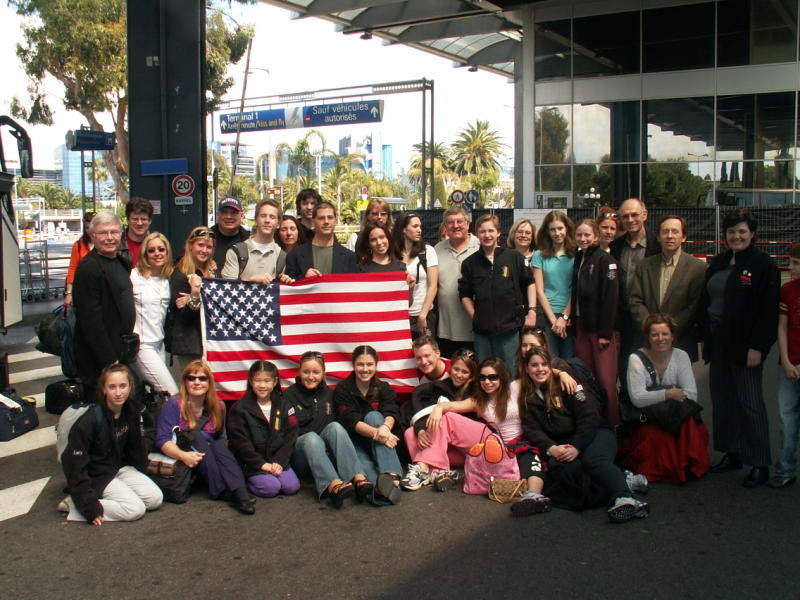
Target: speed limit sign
{"type": "Point", "coordinates": [183, 185]}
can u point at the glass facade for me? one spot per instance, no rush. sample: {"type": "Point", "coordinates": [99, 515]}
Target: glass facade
{"type": "Point", "coordinates": [686, 104]}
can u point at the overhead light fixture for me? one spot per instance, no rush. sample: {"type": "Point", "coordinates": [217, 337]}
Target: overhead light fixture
{"type": "Point", "coordinates": [367, 35]}
{"type": "Point", "coordinates": [473, 69]}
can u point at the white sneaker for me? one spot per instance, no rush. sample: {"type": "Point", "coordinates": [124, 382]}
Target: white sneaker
{"type": "Point", "coordinates": [626, 508]}
{"type": "Point", "coordinates": [415, 478]}
{"type": "Point", "coordinates": [65, 505]}
{"type": "Point", "coordinates": [637, 483]}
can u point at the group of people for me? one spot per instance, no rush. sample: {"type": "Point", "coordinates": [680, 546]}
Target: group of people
{"type": "Point", "coordinates": [599, 323]}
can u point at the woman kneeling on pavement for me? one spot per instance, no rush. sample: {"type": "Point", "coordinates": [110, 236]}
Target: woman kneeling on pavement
{"type": "Point", "coordinates": [104, 461]}
{"type": "Point", "coordinates": [461, 383]}
{"type": "Point", "coordinates": [262, 430]}
{"type": "Point", "coordinates": [570, 430]}
{"type": "Point", "coordinates": [494, 403]}
{"type": "Point", "coordinates": [367, 407]}
{"type": "Point", "coordinates": [191, 429]}
{"type": "Point", "coordinates": [324, 448]}
{"type": "Point", "coordinates": [671, 442]}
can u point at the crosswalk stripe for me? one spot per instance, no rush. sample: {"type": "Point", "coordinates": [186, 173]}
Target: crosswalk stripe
{"type": "Point", "coordinates": [35, 374]}
{"type": "Point", "coordinates": [18, 500]}
{"type": "Point", "coordinates": [33, 440]}
{"type": "Point", "coordinates": [23, 356]}
{"type": "Point", "coordinates": [39, 399]}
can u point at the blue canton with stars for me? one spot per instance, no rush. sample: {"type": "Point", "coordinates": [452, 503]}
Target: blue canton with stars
{"type": "Point", "coordinates": [242, 310]}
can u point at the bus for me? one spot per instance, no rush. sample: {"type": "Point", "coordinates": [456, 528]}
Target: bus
{"type": "Point", "coordinates": [11, 305]}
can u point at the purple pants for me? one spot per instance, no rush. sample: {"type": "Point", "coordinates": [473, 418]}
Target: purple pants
{"type": "Point", "coordinates": [269, 486]}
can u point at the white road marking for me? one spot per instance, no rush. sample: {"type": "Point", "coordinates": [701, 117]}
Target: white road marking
{"type": "Point", "coordinates": [36, 374]}
{"type": "Point", "coordinates": [39, 399]}
{"type": "Point", "coordinates": [33, 440]}
{"type": "Point", "coordinates": [22, 356]}
{"type": "Point", "coordinates": [19, 500]}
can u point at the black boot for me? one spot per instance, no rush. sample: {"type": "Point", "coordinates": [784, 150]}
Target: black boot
{"type": "Point", "coordinates": [729, 462]}
{"type": "Point", "coordinates": [240, 500]}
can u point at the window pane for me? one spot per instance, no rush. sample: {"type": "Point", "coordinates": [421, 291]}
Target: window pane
{"type": "Point", "coordinates": [553, 135]}
{"type": "Point", "coordinates": [674, 184]}
{"type": "Point", "coordinates": [754, 32]}
{"type": "Point", "coordinates": [606, 132]}
{"type": "Point", "coordinates": [606, 44]}
{"type": "Point", "coordinates": [679, 37]}
{"type": "Point", "coordinates": [679, 129]}
{"type": "Point", "coordinates": [755, 126]}
{"type": "Point", "coordinates": [553, 49]}
{"type": "Point", "coordinates": [553, 179]}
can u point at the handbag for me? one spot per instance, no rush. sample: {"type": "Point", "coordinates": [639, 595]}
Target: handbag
{"type": "Point", "coordinates": [177, 487]}
{"type": "Point", "coordinates": [505, 490]}
{"type": "Point", "coordinates": [160, 464]}
{"type": "Point", "coordinates": [486, 459]}
{"type": "Point", "coordinates": [17, 415]}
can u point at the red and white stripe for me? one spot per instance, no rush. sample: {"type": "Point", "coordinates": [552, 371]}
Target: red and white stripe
{"type": "Point", "coordinates": [331, 314]}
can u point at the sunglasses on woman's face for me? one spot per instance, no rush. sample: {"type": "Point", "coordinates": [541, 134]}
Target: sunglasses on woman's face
{"type": "Point", "coordinates": [202, 233]}
{"type": "Point", "coordinates": [490, 377]}
{"type": "Point", "coordinates": [201, 378]}
{"type": "Point", "coordinates": [153, 250]}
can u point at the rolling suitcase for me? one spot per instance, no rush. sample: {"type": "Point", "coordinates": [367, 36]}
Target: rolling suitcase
{"type": "Point", "coordinates": [58, 396]}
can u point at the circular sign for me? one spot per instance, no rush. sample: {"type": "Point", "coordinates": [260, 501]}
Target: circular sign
{"type": "Point", "coordinates": [457, 197]}
{"type": "Point", "coordinates": [473, 196]}
{"type": "Point", "coordinates": [183, 185]}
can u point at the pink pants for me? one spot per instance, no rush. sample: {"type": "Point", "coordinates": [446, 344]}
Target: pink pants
{"type": "Point", "coordinates": [603, 363]}
{"type": "Point", "coordinates": [456, 435]}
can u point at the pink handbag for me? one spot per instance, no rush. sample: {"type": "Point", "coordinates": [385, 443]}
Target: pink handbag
{"type": "Point", "coordinates": [486, 459]}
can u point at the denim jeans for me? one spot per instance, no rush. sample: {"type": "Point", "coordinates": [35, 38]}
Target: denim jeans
{"type": "Point", "coordinates": [375, 457]}
{"type": "Point", "coordinates": [501, 345]}
{"type": "Point", "coordinates": [789, 406]}
{"type": "Point", "coordinates": [327, 456]}
{"type": "Point", "coordinates": [561, 347]}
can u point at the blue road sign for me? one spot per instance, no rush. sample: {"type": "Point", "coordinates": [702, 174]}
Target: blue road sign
{"type": "Point", "coordinates": [165, 166]}
{"type": "Point", "coordinates": [254, 120]}
{"type": "Point", "coordinates": [341, 113]}
{"type": "Point", "coordinates": [87, 139]}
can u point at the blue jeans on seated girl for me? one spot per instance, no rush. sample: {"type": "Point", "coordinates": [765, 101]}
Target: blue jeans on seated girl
{"type": "Point", "coordinates": [327, 456]}
{"type": "Point", "coordinates": [267, 485]}
{"type": "Point", "coordinates": [375, 457]}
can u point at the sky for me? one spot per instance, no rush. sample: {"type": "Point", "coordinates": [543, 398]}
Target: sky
{"type": "Point", "coordinates": [292, 55]}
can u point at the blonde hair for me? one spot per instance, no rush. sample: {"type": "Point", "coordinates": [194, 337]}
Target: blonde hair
{"type": "Point", "coordinates": [143, 264]}
{"type": "Point", "coordinates": [186, 264]}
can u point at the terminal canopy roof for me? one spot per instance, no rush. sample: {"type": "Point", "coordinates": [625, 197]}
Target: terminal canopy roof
{"type": "Point", "coordinates": [471, 33]}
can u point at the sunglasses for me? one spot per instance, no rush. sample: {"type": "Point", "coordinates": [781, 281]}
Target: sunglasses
{"type": "Point", "coordinates": [607, 215]}
{"type": "Point", "coordinates": [491, 377]}
{"type": "Point", "coordinates": [159, 249]}
{"type": "Point", "coordinates": [466, 353]}
{"type": "Point", "coordinates": [202, 233]}
{"type": "Point", "coordinates": [201, 378]}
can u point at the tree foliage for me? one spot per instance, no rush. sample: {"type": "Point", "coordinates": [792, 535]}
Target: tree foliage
{"type": "Point", "coordinates": [477, 149]}
{"type": "Point", "coordinates": [83, 45]}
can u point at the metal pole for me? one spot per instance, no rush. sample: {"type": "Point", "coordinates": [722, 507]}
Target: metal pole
{"type": "Point", "coordinates": [94, 184]}
{"type": "Point", "coordinates": [83, 185]}
{"type": "Point", "coordinates": [433, 163]}
{"type": "Point", "coordinates": [241, 111]}
{"type": "Point", "coordinates": [422, 165]}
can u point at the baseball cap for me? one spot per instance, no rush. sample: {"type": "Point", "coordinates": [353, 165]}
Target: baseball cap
{"type": "Point", "coordinates": [230, 202]}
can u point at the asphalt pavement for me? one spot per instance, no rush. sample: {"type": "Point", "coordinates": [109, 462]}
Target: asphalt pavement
{"type": "Point", "coordinates": [705, 539]}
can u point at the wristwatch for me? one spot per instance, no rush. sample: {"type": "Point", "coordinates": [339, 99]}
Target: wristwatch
{"type": "Point", "coordinates": [565, 317]}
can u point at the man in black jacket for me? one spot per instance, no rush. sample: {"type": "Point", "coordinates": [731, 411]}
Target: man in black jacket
{"type": "Point", "coordinates": [323, 255]}
{"type": "Point", "coordinates": [630, 250]}
{"type": "Point", "coordinates": [103, 299]}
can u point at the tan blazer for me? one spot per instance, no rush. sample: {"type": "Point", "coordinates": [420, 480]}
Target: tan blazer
{"type": "Point", "coordinates": [680, 301]}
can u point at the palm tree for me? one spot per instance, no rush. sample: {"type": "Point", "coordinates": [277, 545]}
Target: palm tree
{"type": "Point", "coordinates": [302, 157]}
{"type": "Point", "coordinates": [335, 177]}
{"type": "Point", "coordinates": [477, 149]}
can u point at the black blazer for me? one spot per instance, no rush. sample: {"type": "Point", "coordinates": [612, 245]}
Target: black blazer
{"type": "Point", "coordinates": [653, 247]}
{"type": "Point", "coordinates": [301, 259]}
{"type": "Point", "coordinates": [99, 324]}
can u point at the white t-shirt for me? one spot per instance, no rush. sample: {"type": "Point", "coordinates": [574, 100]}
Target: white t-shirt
{"type": "Point", "coordinates": [421, 287]}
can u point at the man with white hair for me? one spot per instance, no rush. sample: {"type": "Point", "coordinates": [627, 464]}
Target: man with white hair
{"type": "Point", "coordinates": [104, 309]}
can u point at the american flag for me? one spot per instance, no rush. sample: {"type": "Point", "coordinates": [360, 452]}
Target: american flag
{"type": "Point", "coordinates": [245, 321]}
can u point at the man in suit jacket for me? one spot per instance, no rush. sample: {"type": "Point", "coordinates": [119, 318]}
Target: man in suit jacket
{"type": "Point", "coordinates": [672, 283]}
{"type": "Point", "coordinates": [323, 254]}
{"type": "Point", "coordinates": [630, 250]}
{"type": "Point", "coordinates": [103, 299]}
